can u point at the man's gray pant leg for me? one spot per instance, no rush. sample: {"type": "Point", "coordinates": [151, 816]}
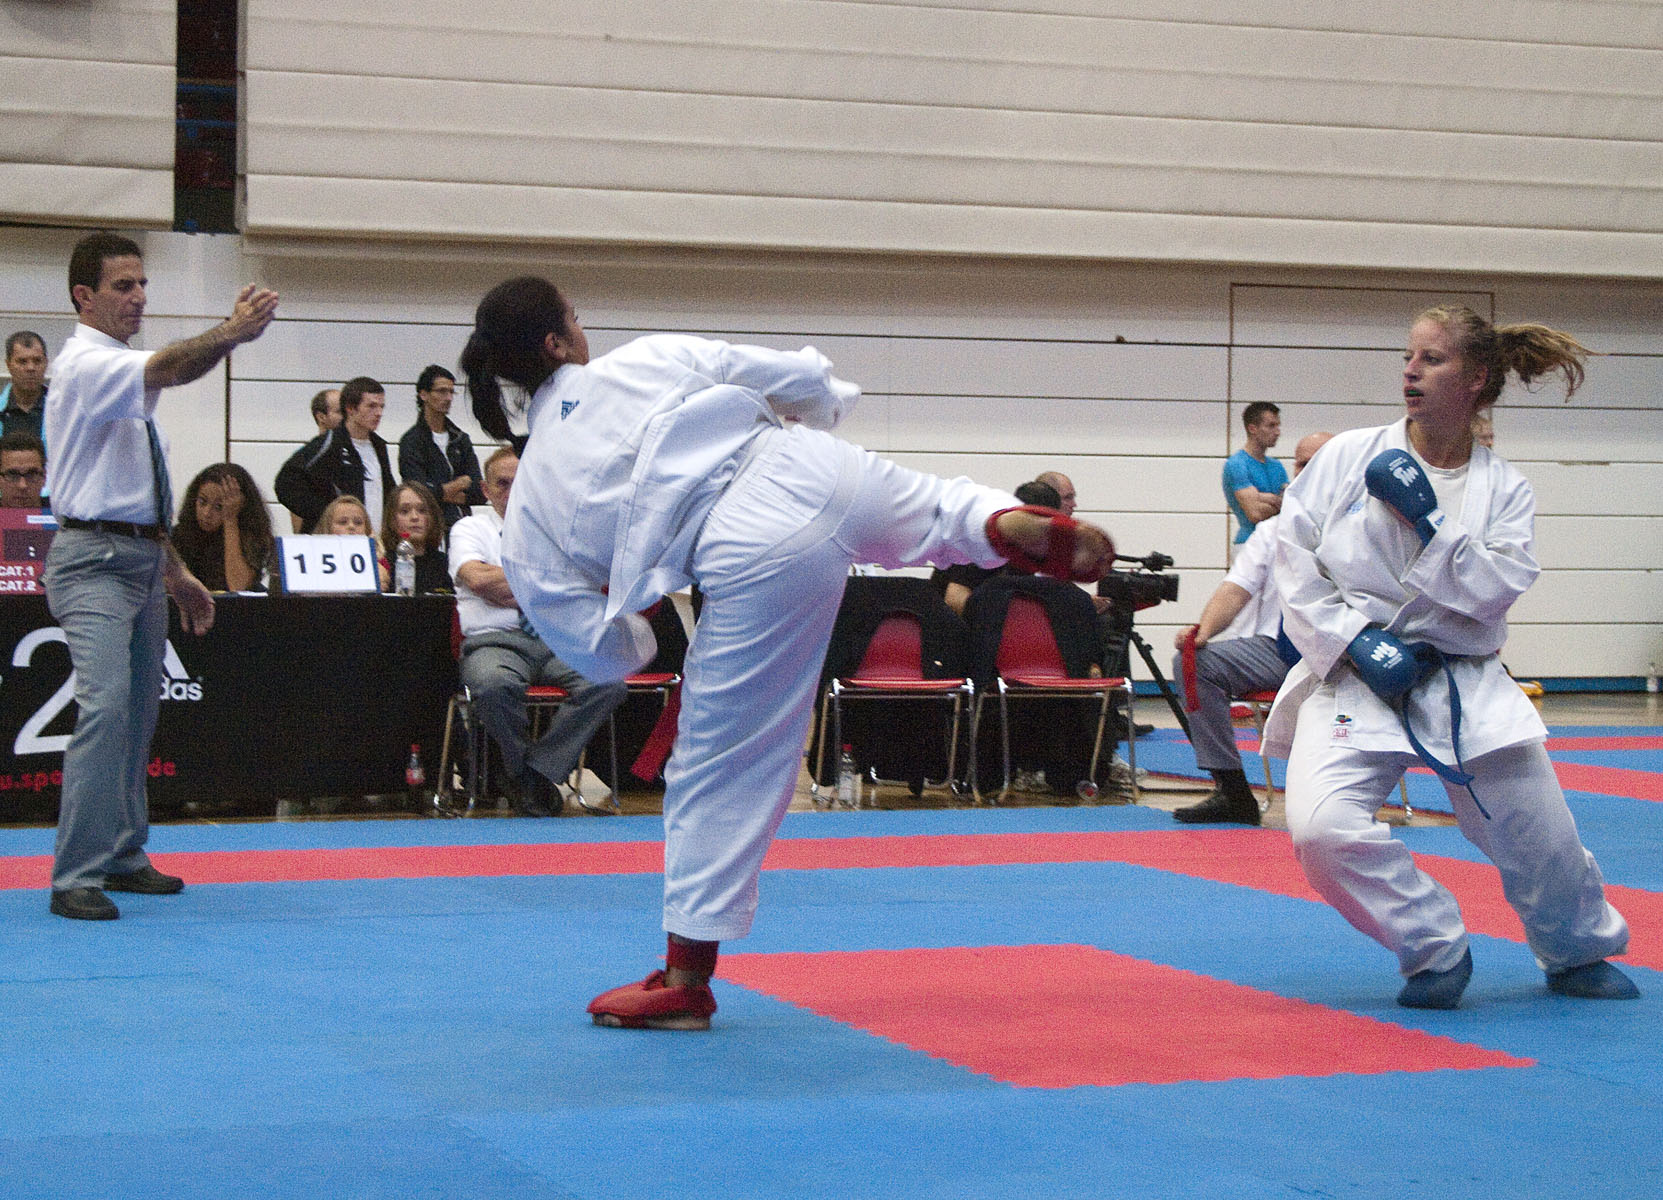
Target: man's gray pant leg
{"type": "Point", "coordinates": [1232, 667]}
{"type": "Point", "coordinates": [105, 592]}
{"type": "Point", "coordinates": [556, 754]}
{"type": "Point", "coordinates": [496, 675]}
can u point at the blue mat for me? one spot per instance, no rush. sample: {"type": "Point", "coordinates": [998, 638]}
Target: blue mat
{"type": "Point", "coordinates": [399, 1038]}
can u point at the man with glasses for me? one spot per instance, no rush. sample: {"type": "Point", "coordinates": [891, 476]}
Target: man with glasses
{"type": "Point", "coordinates": [500, 659]}
{"type": "Point", "coordinates": [22, 470]}
{"type": "Point", "coordinates": [435, 452]}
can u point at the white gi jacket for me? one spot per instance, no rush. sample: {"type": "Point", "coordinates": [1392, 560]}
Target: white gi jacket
{"type": "Point", "coordinates": [1346, 561]}
{"type": "Point", "coordinates": [626, 456]}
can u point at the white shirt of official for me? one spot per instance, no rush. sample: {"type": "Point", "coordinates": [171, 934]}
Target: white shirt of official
{"type": "Point", "coordinates": [478, 539]}
{"type": "Point", "coordinates": [1253, 571]}
{"type": "Point", "coordinates": [100, 468]}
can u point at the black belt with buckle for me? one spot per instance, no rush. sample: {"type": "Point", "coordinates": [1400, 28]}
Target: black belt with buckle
{"type": "Point", "coordinates": [150, 533]}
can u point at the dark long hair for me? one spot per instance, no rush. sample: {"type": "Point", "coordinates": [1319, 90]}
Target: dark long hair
{"type": "Point", "coordinates": [197, 546]}
{"type": "Point", "coordinates": [510, 326]}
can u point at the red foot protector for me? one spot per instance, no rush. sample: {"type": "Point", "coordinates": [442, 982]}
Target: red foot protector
{"type": "Point", "coordinates": [651, 1004]}
{"type": "Point", "coordinates": [1073, 1016]}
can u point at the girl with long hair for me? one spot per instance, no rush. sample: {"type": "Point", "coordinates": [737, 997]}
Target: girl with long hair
{"type": "Point", "coordinates": [1401, 550]}
{"type": "Point", "coordinates": [675, 460]}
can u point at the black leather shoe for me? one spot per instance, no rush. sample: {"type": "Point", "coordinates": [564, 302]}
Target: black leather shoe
{"type": "Point", "coordinates": [84, 904]}
{"type": "Point", "coordinates": [147, 879]}
{"type": "Point", "coordinates": [533, 796]}
{"type": "Point", "coordinates": [1219, 809]}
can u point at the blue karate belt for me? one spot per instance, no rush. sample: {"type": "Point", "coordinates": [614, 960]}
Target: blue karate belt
{"type": "Point", "coordinates": [1458, 774]}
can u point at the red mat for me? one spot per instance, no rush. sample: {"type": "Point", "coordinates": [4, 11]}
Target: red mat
{"type": "Point", "coordinates": [1256, 858]}
{"type": "Point", "coordinates": [1077, 1016]}
{"type": "Point", "coordinates": [1645, 742]}
{"type": "Point", "coordinates": [1609, 781]}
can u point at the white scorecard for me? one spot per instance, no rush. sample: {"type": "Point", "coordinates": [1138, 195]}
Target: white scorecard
{"type": "Point", "coordinates": [327, 563]}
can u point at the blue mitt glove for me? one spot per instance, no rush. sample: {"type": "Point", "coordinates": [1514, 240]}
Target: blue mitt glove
{"type": "Point", "coordinates": [1388, 665]}
{"type": "Point", "coordinates": [1393, 477]}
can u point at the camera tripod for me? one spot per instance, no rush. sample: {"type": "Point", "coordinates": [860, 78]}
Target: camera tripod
{"type": "Point", "coordinates": [1121, 636]}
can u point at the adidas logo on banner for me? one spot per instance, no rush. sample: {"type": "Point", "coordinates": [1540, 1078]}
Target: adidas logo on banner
{"type": "Point", "coordinates": [176, 682]}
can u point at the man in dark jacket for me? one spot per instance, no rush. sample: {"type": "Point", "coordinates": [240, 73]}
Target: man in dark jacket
{"type": "Point", "coordinates": [23, 399]}
{"type": "Point", "coordinates": [350, 460]}
{"type": "Point", "coordinates": [435, 452]}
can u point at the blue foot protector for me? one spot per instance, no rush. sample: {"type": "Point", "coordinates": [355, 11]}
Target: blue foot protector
{"type": "Point", "coordinates": [1437, 989]}
{"type": "Point", "coordinates": [1593, 981]}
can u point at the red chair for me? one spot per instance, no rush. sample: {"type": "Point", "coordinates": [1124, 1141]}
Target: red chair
{"type": "Point", "coordinates": [1258, 705]}
{"type": "Point", "coordinates": [891, 669]}
{"type": "Point", "coordinates": [1030, 666]}
{"type": "Point", "coordinates": [543, 700]}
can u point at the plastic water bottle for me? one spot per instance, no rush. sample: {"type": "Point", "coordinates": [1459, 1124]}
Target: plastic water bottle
{"type": "Point", "coordinates": [848, 778]}
{"type": "Point", "coordinates": [404, 570]}
{"type": "Point", "coordinates": [415, 775]}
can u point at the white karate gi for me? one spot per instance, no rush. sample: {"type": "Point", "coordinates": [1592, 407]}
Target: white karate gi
{"type": "Point", "coordinates": [1346, 561]}
{"type": "Point", "coordinates": [675, 459]}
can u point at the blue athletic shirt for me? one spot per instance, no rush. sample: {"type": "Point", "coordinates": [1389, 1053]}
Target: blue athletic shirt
{"type": "Point", "coordinates": [1241, 470]}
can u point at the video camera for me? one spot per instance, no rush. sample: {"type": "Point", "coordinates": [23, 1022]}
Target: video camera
{"type": "Point", "coordinates": [1132, 591]}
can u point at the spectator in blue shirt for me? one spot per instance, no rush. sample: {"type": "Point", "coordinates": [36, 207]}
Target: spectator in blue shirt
{"type": "Point", "coordinates": [1253, 482]}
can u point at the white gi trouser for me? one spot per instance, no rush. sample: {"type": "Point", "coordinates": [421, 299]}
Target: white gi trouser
{"type": "Point", "coordinates": [1356, 864]}
{"type": "Point", "coordinates": [771, 561]}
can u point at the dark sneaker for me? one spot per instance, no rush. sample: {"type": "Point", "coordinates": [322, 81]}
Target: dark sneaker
{"type": "Point", "coordinates": [84, 904]}
{"type": "Point", "coordinates": [1594, 981]}
{"type": "Point", "coordinates": [147, 879]}
{"type": "Point", "coordinates": [1437, 989]}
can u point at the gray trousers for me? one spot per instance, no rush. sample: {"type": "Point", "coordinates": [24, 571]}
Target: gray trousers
{"type": "Point", "coordinates": [105, 591]}
{"type": "Point", "coordinates": [498, 666]}
{"type": "Point", "coordinates": [1232, 667]}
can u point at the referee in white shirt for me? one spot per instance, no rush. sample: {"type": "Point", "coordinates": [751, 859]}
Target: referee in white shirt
{"type": "Point", "coordinates": [111, 566]}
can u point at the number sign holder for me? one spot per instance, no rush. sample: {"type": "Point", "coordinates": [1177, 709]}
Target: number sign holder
{"type": "Point", "coordinates": [313, 562]}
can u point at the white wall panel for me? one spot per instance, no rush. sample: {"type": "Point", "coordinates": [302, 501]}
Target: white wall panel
{"type": "Point", "coordinates": [1038, 426]}
{"type": "Point", "coordinates": [1265, 134]}
{"type": "Point", "coordinates": [1582, 650]}
{"type": "Point", "coordinates": [987, 369]}
{"type": "Point", "coordinates": [1568, 596]}
{"type": "Point", "coordinates": [87, 102]}
{"type": "Point", "coordinates": [1097, 370]}
{"type": "Point", "coordinates": [1600, 543]}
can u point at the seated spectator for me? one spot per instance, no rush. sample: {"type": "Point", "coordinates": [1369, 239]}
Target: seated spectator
{"type": "Point", "coordinates": [22, 470]}
{"type": "Point", "coordinates": [500, 659]}
{"type": "Point", "coordinates": [344, 516]}
{"type": "Point", "coordinates": [956, 583]}
{"type": "Point", "coordinates": [1236, 652]}
{"type": "Point", "coordinates": [223, 532]}
{"type": "Point", "coordinates": [413, 513]}
{"type": "Point", "coordinates": [435, 452]}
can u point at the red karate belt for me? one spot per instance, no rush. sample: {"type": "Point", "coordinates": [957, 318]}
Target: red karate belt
{"type": "Point", "coordinates": [1186, 652]}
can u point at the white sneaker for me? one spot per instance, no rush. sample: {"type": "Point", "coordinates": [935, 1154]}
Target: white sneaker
{"type": "Point", "coordinates": [1120, 773]}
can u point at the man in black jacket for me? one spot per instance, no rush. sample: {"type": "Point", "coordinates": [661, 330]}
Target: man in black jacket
{"type": "Point", "coordinates": [435, 452]}
{"type": "Point", "coordinates": [350, 460]}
